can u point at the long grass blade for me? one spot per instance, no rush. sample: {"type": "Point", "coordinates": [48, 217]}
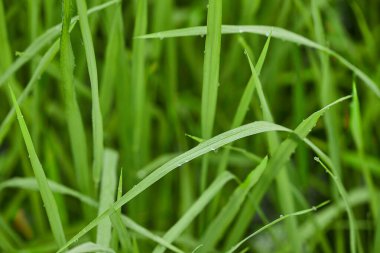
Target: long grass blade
{"type": "Point", "coordinates": [46, 193]}
{"type": "Point", "coordinates": [276, 32]}
{"type": "Point", "coordinates": [210, 77]}
{"type": "Point", "coordinates": [97, 123]}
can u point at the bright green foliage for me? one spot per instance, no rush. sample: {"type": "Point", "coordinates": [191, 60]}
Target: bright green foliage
{"type": "Point", "coordinates": [210, 114]}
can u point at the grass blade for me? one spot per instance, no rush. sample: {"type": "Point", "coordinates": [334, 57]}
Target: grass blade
{"type": "Point", "coordinates": [97, 123]}
{"type": "Point", "coordinates": [210, 77]}
{"type": "Point", "coordinates": [276, 32]}
{"type": "Point", "coordinates": [107, 195]}
{"type": "Point", "coordinates": [46, 194]}
{"type": "Point", "coordinates": [73, 115]}
{"type": "Point", "coordinates": [31, 184]}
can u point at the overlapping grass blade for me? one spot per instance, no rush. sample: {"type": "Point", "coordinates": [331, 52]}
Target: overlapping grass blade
{"type": "Point", "coordinates": [44, 40]}
{"type": "Point", "coordinates": [210, 77]}
{"type": "Point", "coordinates": [203, 148]}
{"type": "Point", "coordinates": [107, 195]}
{"type": "Point", "coordinates": [73, 115]}
{"type": "Point", "coordinates": [46, 194]}
{"type": "Point", "coordinates": [97, 123]}
{"type": "Point", "coordinates": [276, 32]}
{"type": "Point", "coordinates": [175, 231]}
{"type": "Point", "coordinates": [223, 220]}
{"type": "Point", "coordinates": [278, 160]}
{"type": "Point", "coordinates": [282, 179]}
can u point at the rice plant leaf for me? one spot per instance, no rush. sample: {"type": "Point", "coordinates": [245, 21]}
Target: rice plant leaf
{"type": "Point", "coordinates": [223, 220]}
{"type": "Point", "coordinates": [44, 40]}
{"type": "Point", "coordinates": [107, 195]}
{"type": "Point", "coordinates": [45, 191]}
{"type": "Point", "coordinates": [276, 32]}
{"type": "Point", "coordinates": [97, 123]}
{"type": "Point", "coordinates": [175, 231]}
{"type": "Point", "coordinates": [30, 183]}
{"type": "Point", "coordinates": [90, 247]}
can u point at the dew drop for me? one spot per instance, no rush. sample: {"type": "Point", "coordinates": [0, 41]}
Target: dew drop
{"type": "Point", "coordinates": [267, 34]}
{"type": "Point", "coordinates": [240, 31]}
{"type": "Point", "coordinates": [314, 208]}
{"type": "Point", "coordinates": [281, 216]}
{"type": "Point", "coordinates": [245, 51]}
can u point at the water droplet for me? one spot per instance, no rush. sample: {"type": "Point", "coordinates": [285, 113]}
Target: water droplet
{"type": "Point", "coordinates": [316, 159]}
{"type": "Point", "coordinates": [245, 51]}
{"type": "Point", "coordinates": [267, 34]}
{"type": "Point", "coordinates": [281, 216]}
{"type": "Point", "coordinates": [314, 208]}
{"type": "Point", "coordinates": [241, 31]}
{"type": "Point", "coordinates": [202, 35]}
{"type": "Point", "coordinates": [179, 165]}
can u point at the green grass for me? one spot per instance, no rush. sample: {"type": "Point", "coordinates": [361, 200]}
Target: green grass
{"type": "Point", "coordinates": [186, 126]}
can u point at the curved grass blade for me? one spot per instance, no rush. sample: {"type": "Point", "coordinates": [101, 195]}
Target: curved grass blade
{"type": "Point", "coordinates": [223, 220]}
{"type": "Point", "coordinates": [97, 123]}
{"type": "Point", "coordinates": [175, 231]}
{"type": "Point", "coordinates": [31, 184]}
{"type": "Point", "coordinates": [44, 40]}
{"type": "Point", "coordinates": [203, 148]}
{"type": "Point", "coordinates": [282, 217]}
{"type": "Point", "coordinates": [46, 193]}
{"type": "Point", "coordinates": [276, 32]}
